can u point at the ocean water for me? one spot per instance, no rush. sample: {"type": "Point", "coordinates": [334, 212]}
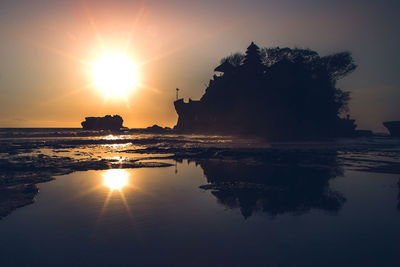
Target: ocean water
{"type": "Point", "coordinates": [162, 217]}
{"type": "Point", "coordinates": [207, 211]}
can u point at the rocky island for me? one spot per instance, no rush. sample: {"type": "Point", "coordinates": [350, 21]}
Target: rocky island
{"type": "Point", "coordinates": [393, 127]}
{"type": "Point", "coordinates": [277, 93]}
{"type": "Point", "coordinates": [107, 122]}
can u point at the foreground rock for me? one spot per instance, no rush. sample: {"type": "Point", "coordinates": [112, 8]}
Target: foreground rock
{"type": "Point", "coordinates": [16, 197]}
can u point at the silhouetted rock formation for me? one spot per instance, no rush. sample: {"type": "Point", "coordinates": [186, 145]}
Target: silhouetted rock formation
{"type": "Point", "coordinates": [363, 133]}
{"type": "Point", "coordinates": [279, 93]}
{"type": "Point", "coordinates": [393, 127]}
{"type": "Point", "coordinates": [107, 122]}
{"type": "Point", "coordinates": [157, 129]}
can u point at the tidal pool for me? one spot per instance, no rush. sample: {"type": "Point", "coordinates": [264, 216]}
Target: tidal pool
{"type": "Point", "coordinates": [161, 216]}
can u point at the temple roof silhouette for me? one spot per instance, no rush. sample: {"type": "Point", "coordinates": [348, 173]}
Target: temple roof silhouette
{"type": "Point", "coordinates": [224, 67]}
{"type": "Point", "coordinates": [253, 46]}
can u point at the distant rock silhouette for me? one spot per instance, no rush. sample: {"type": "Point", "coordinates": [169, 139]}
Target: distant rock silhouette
{"type": "Point", "coordinates": [107, 122]}
{"type": "Point", "coordinates": [157, 129]}
{"type": "Point", "coordinates": [278, 93]}
{"type": "Point", "coordinates": [393, 127]}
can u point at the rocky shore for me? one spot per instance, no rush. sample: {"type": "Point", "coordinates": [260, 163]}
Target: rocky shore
{"type": "Point", "coordinates": [25, 163]}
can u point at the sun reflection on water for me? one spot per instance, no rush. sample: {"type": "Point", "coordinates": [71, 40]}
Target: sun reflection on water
{"type": "Point", "coordinates": [116, 179]}
{"type": "Point", "coordinates": [114, 137]}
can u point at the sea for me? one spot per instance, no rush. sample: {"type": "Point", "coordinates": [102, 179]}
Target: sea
{"type": "Point", "coordinates": [144, 199]}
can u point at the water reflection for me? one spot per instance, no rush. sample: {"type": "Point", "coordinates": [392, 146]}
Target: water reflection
{"type": "Point", "coordinates": [274, 186]}
{"type": "Point", "coordinates": [116, 179]}
{"type": "Point", "coordinates": [113, 137]}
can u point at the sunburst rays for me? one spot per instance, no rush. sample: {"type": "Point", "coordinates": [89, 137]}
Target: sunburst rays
{"type": "Point", "coordinates": [138, 21]}
{"type": "Point", "coordinates": [117, 181]}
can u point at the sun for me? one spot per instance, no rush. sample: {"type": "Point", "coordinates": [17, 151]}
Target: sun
{"type": "Point", "coordinates": [115, 74]}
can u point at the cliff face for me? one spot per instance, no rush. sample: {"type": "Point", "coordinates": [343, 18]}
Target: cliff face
{"type": "Point", "coordinates": [107, 122]}
{"type": "Point", "coordinates": [191, 115]}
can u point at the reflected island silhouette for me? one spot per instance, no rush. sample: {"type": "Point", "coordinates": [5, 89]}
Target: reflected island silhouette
{"type": "Point", "coordinates": [293, 183]}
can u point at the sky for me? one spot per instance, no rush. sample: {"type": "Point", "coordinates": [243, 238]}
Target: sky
{"type": "Point", "coordinates": [47, 47]}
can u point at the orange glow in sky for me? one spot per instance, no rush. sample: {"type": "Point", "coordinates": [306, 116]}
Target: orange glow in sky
{"type": "Point", "coordinates": [62, 61]}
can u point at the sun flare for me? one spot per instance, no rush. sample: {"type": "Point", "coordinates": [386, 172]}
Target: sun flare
{"type": "Point", "coordinates": [114, 74]}
{"type": "Point", "coordinates": [116, 179]}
